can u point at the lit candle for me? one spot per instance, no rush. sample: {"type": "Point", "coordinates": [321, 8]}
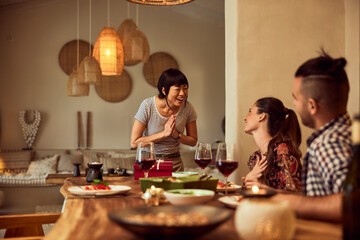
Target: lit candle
{"type": "Point", "coordinates": [255, 189]}
{"type": "Point", "coordinates": [152, 196]}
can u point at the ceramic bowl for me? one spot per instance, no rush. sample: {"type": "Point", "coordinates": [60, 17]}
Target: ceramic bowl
{"type": "Point", "coordinates": [216, 216]}
{"type": "Point", "coordinates": [188, 196]}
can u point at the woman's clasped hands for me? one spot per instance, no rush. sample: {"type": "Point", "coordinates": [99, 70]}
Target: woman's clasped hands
{"type": "Point", "coordinates": [169, 129]}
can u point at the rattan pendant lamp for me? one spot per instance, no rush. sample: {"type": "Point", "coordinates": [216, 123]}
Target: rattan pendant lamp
{"type": "Point", "coordinates": [73, 87]}
{"type": "Point", "coordinates": [136, 46]}
{"type": "Point", "coordinates": [161, 2]}
{"type": "Point", "coordinates": [89, 69]}
{"type": "Point", "coordinates": [108, 50]}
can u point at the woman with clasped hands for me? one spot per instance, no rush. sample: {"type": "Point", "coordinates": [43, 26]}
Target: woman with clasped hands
{"type": "Point", "coordinates": [162, 119]}
{"type": "Point", "coordinates": [277, 134]}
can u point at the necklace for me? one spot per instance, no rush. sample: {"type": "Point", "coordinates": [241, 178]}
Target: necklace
{"type": "Point", "coordinates": [29, 129]}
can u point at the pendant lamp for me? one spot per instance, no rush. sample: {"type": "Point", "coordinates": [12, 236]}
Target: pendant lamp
{"type": "Point", "coordinates": [73, 87]}
{"type": "Point", "coordinates": [161, 2]}
{"type": "Point", "coordinates": [89, 69]}
{"type": "Point", "coordinates": [108, 50]}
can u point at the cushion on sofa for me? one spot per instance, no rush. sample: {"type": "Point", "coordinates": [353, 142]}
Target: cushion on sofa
{"type": "Point", "coordinates": [65, 163]}
{"type": "Point", "coordinates": [43, 167]}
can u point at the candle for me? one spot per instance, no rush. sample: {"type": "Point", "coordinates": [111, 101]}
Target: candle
{"type": "Point", "coordinates": [152, 196]}
{"type": "Point", "coordinates": [256, 191]}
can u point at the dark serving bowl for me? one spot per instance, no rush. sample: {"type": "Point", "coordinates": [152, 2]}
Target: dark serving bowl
{"type": "Point", "coordinates": [215, 215]}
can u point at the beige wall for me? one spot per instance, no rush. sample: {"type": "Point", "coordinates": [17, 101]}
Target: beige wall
{"type": "Point", "coordinates": [32, 79]}
{"type": "Point", "coordinates": [273, 39]}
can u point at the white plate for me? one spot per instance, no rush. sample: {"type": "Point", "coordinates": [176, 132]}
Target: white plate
{"type": "Point", "coordinates": [184, 174]}
{"type": "Point", "coordinates": [231, 201]}
{"type": "Point", "coordinates": [115, 189]}
{"type": "Point", "coordinates": [232, 188]}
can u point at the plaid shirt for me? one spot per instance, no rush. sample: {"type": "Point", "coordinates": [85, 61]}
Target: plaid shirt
{"type": "Point", "coordinates": [326, 162]}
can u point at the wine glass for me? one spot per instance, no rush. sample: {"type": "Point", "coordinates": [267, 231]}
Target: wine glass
{"type": "Point", "coordinates": [203, 155]}
{"type": "Point", "coordinates": [145, 156]}
{"type": "Point", "coordinates": [226, 160]}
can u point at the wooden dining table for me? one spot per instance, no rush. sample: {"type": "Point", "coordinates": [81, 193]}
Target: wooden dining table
{"type": "Point", "coordinates": [86, 217]}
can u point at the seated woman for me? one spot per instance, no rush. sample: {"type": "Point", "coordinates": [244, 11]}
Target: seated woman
{"type": "Point", "coordinates": [162, 119]}
{"type": "Point", "coordinates": [277, 134]}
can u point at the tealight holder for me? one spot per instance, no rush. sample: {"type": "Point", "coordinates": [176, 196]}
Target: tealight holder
{"type": "Point", "coordinates": [264, 218]}
{"type": "Point", "coordinates": [152, 196]}
{"type": "Point", "coordinates": [255, 192]}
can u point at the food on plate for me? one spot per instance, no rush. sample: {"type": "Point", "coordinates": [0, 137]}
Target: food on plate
{"type": "Point", "coordinates": [170, 219]}
{"type": "Point", "coordinates": [97, 184]}
{"type": "Point", "coordinates": [222, 185]}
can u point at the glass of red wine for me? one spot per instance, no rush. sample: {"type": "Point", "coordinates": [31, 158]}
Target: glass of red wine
{"type": "Point", "coordinates": [226, 160]}
{"type": "Point", "coordinates": [145, 157]}
{"type": "Point", "coordinates": [203, 155]}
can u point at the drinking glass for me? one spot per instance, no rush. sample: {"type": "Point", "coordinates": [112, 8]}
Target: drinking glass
{"type": "Point", "coordinates": [226, 160]}
{"type": "Point", "coordinates": [145, 156]}
{"type": "Point", "coordinates": [203, 155]}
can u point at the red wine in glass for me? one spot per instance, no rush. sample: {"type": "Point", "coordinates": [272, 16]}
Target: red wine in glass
{"type": "Point", "coordinates": [145, 157]}
{"type": "Point", "coordinates": [227, 167]}
{"type": "Point", "coordinates": [226, 160]}
{"type": "Point", "coordinates": [145, 164]}
{"type": "Point", "coordinates": [203, 162]}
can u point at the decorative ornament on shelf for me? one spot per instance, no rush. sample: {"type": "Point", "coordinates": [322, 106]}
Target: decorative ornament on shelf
{"type": "Point", "coordinates": [161, 2]}
{"type": "Point", "coordinates": [29, 128]}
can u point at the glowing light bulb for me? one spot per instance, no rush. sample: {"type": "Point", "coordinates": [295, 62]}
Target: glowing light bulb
{"type": "Point", "coordinates": [255, 189]}
{"type": "Point", "coordinates": [153, 187]}
{"type": "Point", "coordinates": [108, 52]}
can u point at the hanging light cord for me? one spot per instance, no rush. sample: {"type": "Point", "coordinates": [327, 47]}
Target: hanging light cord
{"type": "Point", "coordinates": [137, 16]}
{"type": "Point", "coordinates": [89, 27]}
{"type": "Point", "coordinates": [108, 13]}
{"type": "Point", "coordinates": [128, 10]}
{"type": "Point", "coordinates": [77, 35]}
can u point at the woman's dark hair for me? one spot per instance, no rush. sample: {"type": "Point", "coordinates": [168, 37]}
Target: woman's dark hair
{"type": "Point", "coordinates": [170, 77]}
{"type": "Point", "coordinates": [282, 125]}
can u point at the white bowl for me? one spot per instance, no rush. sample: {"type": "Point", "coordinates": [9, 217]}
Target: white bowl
{"type": "Point", "coordinates": [188, 196]}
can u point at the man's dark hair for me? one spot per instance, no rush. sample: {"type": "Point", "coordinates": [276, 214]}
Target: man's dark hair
{"type": "Point", "coordinates": [324, 79]}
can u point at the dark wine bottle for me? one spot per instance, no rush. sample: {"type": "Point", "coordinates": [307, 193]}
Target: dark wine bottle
{"type": "Point", "coordinates": [351, 190]}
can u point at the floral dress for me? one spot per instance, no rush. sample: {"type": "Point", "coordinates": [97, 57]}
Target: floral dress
{"type": "Point", "coordinates": [286, 174]}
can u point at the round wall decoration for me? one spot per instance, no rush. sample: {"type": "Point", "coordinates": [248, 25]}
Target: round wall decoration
{"type": "Point", "coordinates": [68, 55]}
{"type": "Point", "coordinates": [158, 62]}
{"type": "Point", "coordinates": [114, 88]}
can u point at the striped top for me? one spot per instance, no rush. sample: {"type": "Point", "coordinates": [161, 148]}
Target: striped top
{"type": "Point", "coordinates": [154, 123]}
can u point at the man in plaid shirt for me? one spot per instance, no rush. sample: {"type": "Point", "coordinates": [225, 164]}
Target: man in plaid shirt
{"type": "Point", "coordinates": [320, 92]}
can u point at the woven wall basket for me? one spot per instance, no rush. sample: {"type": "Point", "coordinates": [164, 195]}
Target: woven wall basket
{"type": "Point", "coordinates": [158, 62]}
{"type": "Point", "coordinates": [114, 88]}
{"type": "Point", "coordinates": [68, 55]}
{"type": "Point", "coordinates": [75, 89]}
{"type": "Point", "coordinates": [136, 49]}
{"type": "Point", "coordinates": [89, 71]}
